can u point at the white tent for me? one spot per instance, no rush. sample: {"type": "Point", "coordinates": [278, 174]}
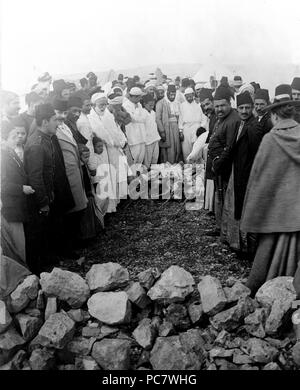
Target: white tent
{"type": "Point", "coordinates": [212, 69]}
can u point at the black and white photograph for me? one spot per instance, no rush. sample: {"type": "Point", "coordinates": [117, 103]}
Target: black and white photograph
{"type": "Point", "coordinates": [150, 189]}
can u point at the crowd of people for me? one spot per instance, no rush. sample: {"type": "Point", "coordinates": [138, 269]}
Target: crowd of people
{"type": "Point", "coordinates": [67, 160]}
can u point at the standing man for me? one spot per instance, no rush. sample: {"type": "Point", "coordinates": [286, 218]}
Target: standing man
{"type": "Point", "coordinates": [207, 105]}
{"type": "Point", "coordinates": [220, 145]}
{"type": "Point", "coordinates": [32, 99]}
{"type": "Point", "coordinates": [191, 118]}
{"type": "Point", "coordinates": [180, 98]}
{"type": "Point", "coordinates": [39, 164]}
{"type": "Point", "coordinates": [74, 111]}
{"type": "Point", "coordinates": [135, 130]}
{"type": "Point", "coordinates": [263, 118]}
{"type": "Point", "coordinates": [167, 116]}
{"type": "Point", "coordinates": [243, 151]}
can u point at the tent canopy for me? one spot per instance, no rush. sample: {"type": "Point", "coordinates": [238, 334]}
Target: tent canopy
{"type": "Point", "coordinates": [212, 69]}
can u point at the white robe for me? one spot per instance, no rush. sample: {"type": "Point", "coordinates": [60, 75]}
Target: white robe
{"type": "Point", "coordinates": [85, 128]}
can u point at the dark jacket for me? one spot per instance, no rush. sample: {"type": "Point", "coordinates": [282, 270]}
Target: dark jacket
{"type": "Point", "coordinates": [78, 137]}
{"type": "Point", "coordinates": [63, 198]}
{"type": "Point", "coordinates": [13, 177]}
{"type": "Point", "coordinates": [212, 124]}
{"type": "Point", "coordinates": [243, 154]}
{"type": "Point", "coordinates": [221, 143]}
{"type": "Point", "coordinates": [39, 164]}
{"type": "Point", "coordinates": [27, 121]}
{"type": "Point", "coordinates": [265, 124]}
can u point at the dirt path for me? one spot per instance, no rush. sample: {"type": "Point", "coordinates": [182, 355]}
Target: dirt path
{"type": "Point", "coordinates": [147, 233]}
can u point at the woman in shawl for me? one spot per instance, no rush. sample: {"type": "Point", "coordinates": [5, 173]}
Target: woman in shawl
{"type": "Point", "coordinates": [272, 201]}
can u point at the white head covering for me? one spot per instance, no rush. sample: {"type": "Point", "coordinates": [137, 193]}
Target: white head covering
{"type": "Point", "coordinates": [135, 91]}
{"type": "Point", "coordinates": [188, 90]}
{"type": "Point", "coordinates": [149, 84]}
{"type": "Point", "coordinates": [116, 100]}
{"type": "Point", "coordinates": [198, 86]}
{"type": "Point", "coordinates": [97, 96]}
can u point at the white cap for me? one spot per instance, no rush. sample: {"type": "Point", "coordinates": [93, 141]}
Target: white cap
{"type": "Point", "coordinates": [188, 90]}
{"type": "Point", "coordinates": [97, 96]}
{"type": "Point", "coordinates": [135, 91]}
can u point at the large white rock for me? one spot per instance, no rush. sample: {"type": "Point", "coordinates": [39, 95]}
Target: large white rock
{"type": "Point", "coordinates": [278, 293]}
{"type": "Point", "coordinates": [213, 298]}
{"type": "Point", "coordinates": [174, 285]}
{"type": "Point", "coordinates": [5, 318]}
{"type": "Point", "coordinates": [107, 277]}
{"type": "Point", "coordinates": [66, 286]}
{"type": "Point", "coordinates": [112, 308]}
{"type": "Point", "coordinates": [10, 343]}
{"type": "Point", "coordinates": [23, 294]}
{"type": "Point", "coordinates": [57, 331]}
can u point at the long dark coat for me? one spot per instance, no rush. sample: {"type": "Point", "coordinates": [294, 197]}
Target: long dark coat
{"type": "Point", "coordinates": [243, 154]}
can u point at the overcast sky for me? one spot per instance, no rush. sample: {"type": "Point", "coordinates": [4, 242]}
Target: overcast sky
{"type": "Point", "coordinates": [63, 36]}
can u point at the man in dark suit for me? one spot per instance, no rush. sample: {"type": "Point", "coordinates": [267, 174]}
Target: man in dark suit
{"type": "Point", "coordinates": [263, 118]}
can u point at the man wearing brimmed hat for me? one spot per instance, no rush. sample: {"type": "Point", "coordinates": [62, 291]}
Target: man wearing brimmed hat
{"type": "Point", "coordinates": [240, 157]}
{"type": "Point", "coordinates": [272, 201]}
{"type": "Point", "coordinates": [220, 143]}
{"type": "Point", "coordinates": [167, 114]}
{"type": "Point", "coordinates": [135, 130]}
{"type": "Point", "coordinates": [263, 118]}
{"type": "Point", "coordinates": [296, 96]}
{"type": "Point", "coordinates": [191, 118]}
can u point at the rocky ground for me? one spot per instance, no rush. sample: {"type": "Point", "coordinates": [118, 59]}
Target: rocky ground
{"type": "Point", "coordinates": [159, 233]}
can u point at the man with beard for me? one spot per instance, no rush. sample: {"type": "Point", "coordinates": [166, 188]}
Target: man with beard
{"type": "Point", "coordinates": [246, 142]}
{"type": "Point", "coordinates": [206, 101]}
{"type": "Point", "coordinates": [261, 100]}
{"type": "Point", "coordinates": [74, 111]}
{"type": "Point", "coordinates": [296, 96]}
{"type": "Point", "coordinates": [219, 146]}
{"type": "Point", "coordinates": [191, 118]}
{"type": "Point", "coordinates": [167, 115]}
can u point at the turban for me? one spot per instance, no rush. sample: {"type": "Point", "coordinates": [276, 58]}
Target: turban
{"type": "Point", "coordinates": [223, 93]}
{"type": "Point", "coordinates": [160, 88]}
{"type": "Point", "coordinates": [97, 96]}
{"type": "Point", "coordinates": [114, 100]}
{"type": "Point", "coordinates": [150, 83]}
{"type": "Point", "coordinates": [198, 86]}
{"type": "Point", "coordinates": [243, 98]}
{"type": "Point", "coordinates": [75, 101]}
{"type": "Point", "coordinates": [296, 83]}
{"type": "Point", "coordinates": [135, 91]}
{"type": "Point", "coordinates": [262, 94]}
{"type": "Point", "coordinates": [60, 105]}
{"type": "Point", "coordinates": [171, 88]}
{"type": "Point", "coordinates": [44, 111]}
{"type": "Point", "coordinates": [188, 90]}
{"type": "Point", "coordinates": [205, 93]}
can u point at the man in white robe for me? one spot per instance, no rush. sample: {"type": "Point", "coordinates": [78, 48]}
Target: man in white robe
{"type": "Point", "coordinates": [191, 118]}
{"type": "Point", "coordinates": [135, 130]}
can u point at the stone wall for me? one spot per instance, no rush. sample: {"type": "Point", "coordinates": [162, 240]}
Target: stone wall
{"type": "Point", "coordinates": [161, 321]}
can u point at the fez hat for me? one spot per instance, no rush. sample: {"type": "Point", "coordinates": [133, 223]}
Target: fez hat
{"type": "Point", "coordinates": [44, 111]}
{"type": "Point", "coordinates": [283, 97]}
{"type": "Point", "coordinates": [243, 98]}
{"type": "Point", "coordinates": [262, 94]}
{"type": "Point", "coordinates": [205, 93]}
{"type": "Point", "coordinates": [222, 93]}
{"type": "Point", "coordinates": [60, 105]}
{"type": "Point", "coordinates": [185, 82]}
{"type": "Point", "coordinates": [75, 101]}
{"type": "Point", "coordinates": [296, 83]}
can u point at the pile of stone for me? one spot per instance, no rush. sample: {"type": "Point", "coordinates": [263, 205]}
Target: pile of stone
{"type": "Point", "coordinates": [157, 322]}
